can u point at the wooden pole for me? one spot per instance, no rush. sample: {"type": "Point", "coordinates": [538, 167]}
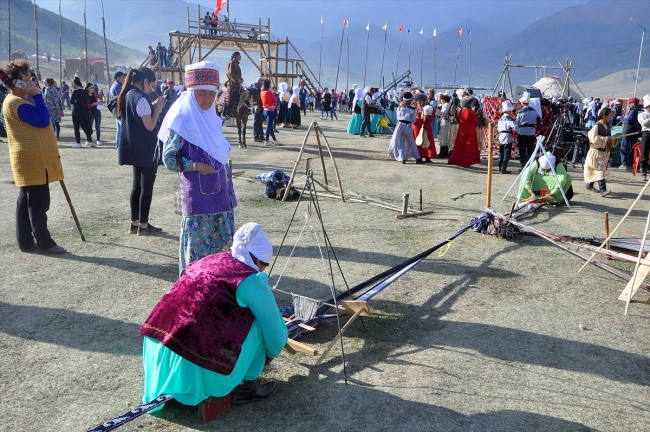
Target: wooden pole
{"type": "Point", "coordinates": [60, 47]}
{"type": "Point", "coordinates": [606, 229]}
{"type": "Point", "coordinates": [108, 68]}
{"type": "Point", "coordinates": [37, 49]}
{"type": "Point", "coordinates": [336, 170]}
{"type": "Point", "coordinates": [488, 199]}
{"type": "Point", "coordinates": [74, 214]}
{"type": "Point", "coordinates": [295, 166]}
{"type": "Point", "coordinates": [420, 199]}
{"type": "Point", "coordinates": [638, 198]}
{"type": "Point", "coordinates": [320, 152]}
{"type": "Point", "coordinates": [405, 203]}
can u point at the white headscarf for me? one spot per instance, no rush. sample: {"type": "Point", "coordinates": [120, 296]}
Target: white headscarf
{"type": "Point", "coordinates": [199, 127]}
{"type": "Point", "coordinates": [358, 95]}
{"type": "Point", "coordinates": [294, 97]}
{"type": "Point", "coordinates": [251, 239]}
{"type": "Point", "coordinates": [546, 162]}
{"type": "Point", "coordinates": [284, 88]}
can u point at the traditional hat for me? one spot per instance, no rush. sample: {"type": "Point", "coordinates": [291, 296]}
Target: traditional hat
{"type": "Point", "coordinates": [506, 106]}
{"type": "Point", "coordinates": [202, 76]}
{"type": "Point", "coordinates": [420, 96]}
{"type": "Point", "coordinates": [525, 98]}
{"type": "Point", "coordinates": [646, 101]}
{"type": "Point", "coordinates": [617, 102]}
{"type": "Point", "coordinates": [428, 110]}
{"type": "Point", "coordinates": [407, 97]}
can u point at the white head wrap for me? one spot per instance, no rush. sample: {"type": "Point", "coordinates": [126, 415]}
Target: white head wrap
{"type": "Point", "coordinates": [546, 162]}
{"type": "Point", "coordinates": [199, 127]}
{"type": "Point", "coordinates": [358, 95]}
{"type": "Point", "coordinates": [251, 239]}
{"type": "Point", "coordinates": [284, 88]}
{"type": "Point", "coordinates": [646, 100]}
{"type": "Point", "coordinates": [293, 98]}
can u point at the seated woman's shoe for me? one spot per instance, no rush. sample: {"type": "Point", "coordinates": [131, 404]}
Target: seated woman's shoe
{"type": "Point", "coordinates": [253, 391]}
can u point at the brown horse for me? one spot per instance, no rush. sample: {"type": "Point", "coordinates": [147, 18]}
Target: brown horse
{"type": "Point", "coordinates": [243, 108]}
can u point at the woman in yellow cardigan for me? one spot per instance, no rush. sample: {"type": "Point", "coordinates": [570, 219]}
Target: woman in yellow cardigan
{"type": "Point", "coordinates": [34, 156]}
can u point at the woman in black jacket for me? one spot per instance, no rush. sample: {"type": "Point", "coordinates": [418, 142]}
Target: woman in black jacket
{"type": "Point", "coordinates": [80, 114]}
{"type": "Point", "coordinates": [138, 141]}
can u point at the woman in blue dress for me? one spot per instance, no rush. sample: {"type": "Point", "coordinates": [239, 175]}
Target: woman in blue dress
{"type": "Point", "coordinates": [354, 126]}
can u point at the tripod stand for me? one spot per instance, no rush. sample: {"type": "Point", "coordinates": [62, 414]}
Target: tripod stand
{"type": "Point", "coordinates": [539, 148]}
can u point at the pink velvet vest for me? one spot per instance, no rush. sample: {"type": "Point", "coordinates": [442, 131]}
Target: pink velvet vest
{"type": "Point", "coordinates": [199, 318]}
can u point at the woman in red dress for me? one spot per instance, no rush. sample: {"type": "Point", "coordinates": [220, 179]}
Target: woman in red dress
{"type": "Point", "coordinates": [427, 147]}
{"type": "Point", "coordinates": [466, 152]}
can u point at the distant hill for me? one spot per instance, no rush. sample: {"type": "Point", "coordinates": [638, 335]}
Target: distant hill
{"type": "Point", "coordinates": [619, 84]}
{"type": "Point", "coordinates": [23, 36]}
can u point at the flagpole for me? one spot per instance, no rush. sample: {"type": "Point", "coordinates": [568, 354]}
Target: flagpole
{"type": "Point", "coordinates": [365, 63]}
{"type": "Point", "coordinates": [347, 74]}
{"type": "Point", "coordinates": [336, 83]}
{"type": "Point", "coordinates": [422, 59]}
{"type": "Point", "coordinates": [381, 74]}
{"type": "Point", "coordinates": [320, 58]}
{"type": "Point", "coordinates": [9, 29]}
{"type": "Point", "coordinates": [399, 50]}
{"type": "Point", "coordinates": [86, 41]}
{"type": "Point", "coordinates": [409, 51]}
{"type": "Point", "coordinates": [60, 47]}
{"type": "Point", "coordinates": [469, 78]}
{"type": "Point", "coordinates": [38, 74]}
{"type": "Point", "coordinates": [458, 55]}
{"type": "Point", "coordinates": [435, 56]}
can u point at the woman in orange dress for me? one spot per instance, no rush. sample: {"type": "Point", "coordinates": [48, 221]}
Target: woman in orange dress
{"type": "Point", "coordinates": [466, 152]}
{"type": "Point", "coordinates": [427, 148]}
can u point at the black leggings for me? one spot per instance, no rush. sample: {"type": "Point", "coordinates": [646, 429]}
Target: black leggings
{"type": "Point", "coordinates": [142, 192]}
{"type": "Point", "coordinates": [83, 122]}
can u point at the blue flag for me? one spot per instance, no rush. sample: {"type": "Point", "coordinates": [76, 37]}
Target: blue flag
{"type": "Point", "coordinates": [469, 32]}
{"type": "Point", "coordinates": [409, 30]}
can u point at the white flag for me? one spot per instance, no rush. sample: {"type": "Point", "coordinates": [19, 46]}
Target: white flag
{"type": "Point", "coordinates": [435, 32]}
{"type": "Point", "coordinates": [368, 27]}
{"type": "Point", "coordinates": [321, 19]}
{"type": "Point", "coordinates": [422, 31]}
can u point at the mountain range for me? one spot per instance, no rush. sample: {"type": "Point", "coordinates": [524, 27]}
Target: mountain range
{"type": "Point", "coordinates": [23, 35]}
{"type": "Point", "coordinates": [597, 36]}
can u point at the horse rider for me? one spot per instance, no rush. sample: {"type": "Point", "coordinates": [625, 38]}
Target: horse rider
{"type": "Point", "coordinates": [234, 82]}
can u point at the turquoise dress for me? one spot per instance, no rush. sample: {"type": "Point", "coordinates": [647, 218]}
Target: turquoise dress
{"type": "Point", "coordinates": [165, 372]}
{"type": "Point", "coordinates": [374, 124]}
{"type": "Point", "coordinates": [354, 125]}
{"type": "Point", "coordinates": [392, 116]}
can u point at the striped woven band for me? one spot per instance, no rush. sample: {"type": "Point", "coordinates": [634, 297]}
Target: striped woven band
{"type": "Point", "coordinates": [199, 77]}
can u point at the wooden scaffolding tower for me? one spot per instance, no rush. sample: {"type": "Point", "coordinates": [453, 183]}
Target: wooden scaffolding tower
{"type": "Point", "coordinates": [277, 60]}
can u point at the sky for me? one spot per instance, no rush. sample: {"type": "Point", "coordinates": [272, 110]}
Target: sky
{"type": "Point", "coordinates": [303, 16]}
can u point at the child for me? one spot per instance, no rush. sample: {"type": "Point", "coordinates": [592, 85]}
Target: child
{"type": "Point", "coordinates": [506, 128]}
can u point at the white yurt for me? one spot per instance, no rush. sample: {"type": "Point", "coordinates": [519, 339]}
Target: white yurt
{"type": "Point", "coordinates": [551, 86]}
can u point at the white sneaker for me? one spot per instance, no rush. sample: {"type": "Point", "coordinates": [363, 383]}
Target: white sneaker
{"type": "Point", "coordinates": [269, 143]}
{"type": "Point", "coordinates": [89, 144]}
{"type": "Point", "coordinates": [99, 142]}
{"type": "Point", "coordinates": [76, 145]}
{"type": "Point", "coordinates": [275, 142]}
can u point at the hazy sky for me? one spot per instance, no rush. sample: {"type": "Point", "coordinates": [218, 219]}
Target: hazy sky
{"type": "Point", "coordinates": [304, 15]}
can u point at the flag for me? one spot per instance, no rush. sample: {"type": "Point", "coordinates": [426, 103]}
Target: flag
{"type": "Point", "coordinates": [345, 21]}
{"type": "Point", "coordinates": [219, 5]}
{"type": "Point", "coordinates": [469, 32]}
{"type": "Point", "coordinates": [460, 32]}
{"type": "Point", "coordinates": [435, 32]}
{"type": "Point", "coordinates": [385, 27]}
{"type": "Point", "coordinates": [422, 31]}
{"type": "Point", "coordinates": [368, 27]}
{"type": "Point", "coordinates": [321, 19]}
{"type": "Point", "coordinates": [401, 28]}
{"type": "Point", "coordinates": [409, 30]}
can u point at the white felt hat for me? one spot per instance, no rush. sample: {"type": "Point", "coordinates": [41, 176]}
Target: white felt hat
{"type": "Point", "coordinates": [646, 101]}
{"type": "Point", "coordinates": [506, 106]}
{"type": "Point", "coordinates": [525, 97]}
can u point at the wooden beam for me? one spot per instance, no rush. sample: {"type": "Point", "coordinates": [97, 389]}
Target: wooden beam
{"type": "Point", "coordinates": [293, 347]}
{"type": "Point", "coordinates": [350, 307]}
{"type": "Point", "coordinates": [250, 58]}
{"type": "Point", "coordinates": [643, 272]}
{"type": "Point", "coordinates": [339, 336]}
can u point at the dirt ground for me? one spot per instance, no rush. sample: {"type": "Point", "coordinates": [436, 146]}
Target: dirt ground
{"type": "Point", "coordinates": [494, 335]}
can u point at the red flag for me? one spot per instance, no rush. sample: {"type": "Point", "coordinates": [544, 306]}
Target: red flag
{"type": "Point", "coordinates": [345, 21]}
{"type": "Point", "coordinates": [401, 28]}
{"type": "Point", "coordinates": [219, 6]}
{"type": "Point", "coordinates": [460, 32]}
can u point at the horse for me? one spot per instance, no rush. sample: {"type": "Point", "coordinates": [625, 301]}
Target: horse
{"type": "Point", "coordinates": [243, 108]}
